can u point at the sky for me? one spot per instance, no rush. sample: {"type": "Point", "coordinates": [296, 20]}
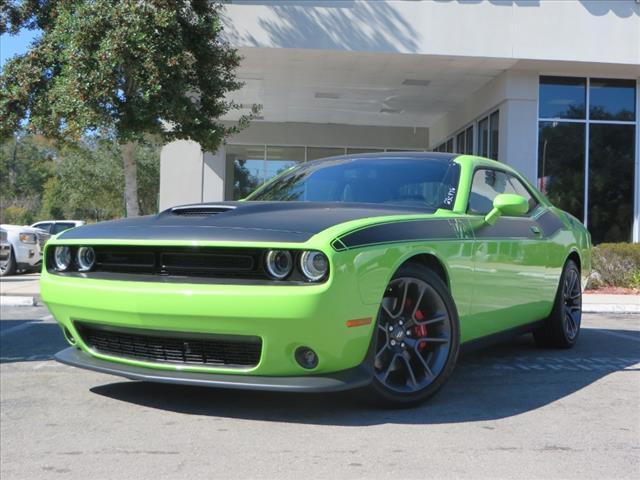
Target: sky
{"type": "Point", "coordinates": [11, 45]}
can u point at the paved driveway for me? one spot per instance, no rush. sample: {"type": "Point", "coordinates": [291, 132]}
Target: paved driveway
{"type": "Point", "coordinates": [511, 411]}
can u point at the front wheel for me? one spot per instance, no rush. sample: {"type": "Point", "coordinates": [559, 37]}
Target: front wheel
{"type": "Point", "coordinates": [417, 338]}
{"type": "Point", "coordinates": [9, 267]}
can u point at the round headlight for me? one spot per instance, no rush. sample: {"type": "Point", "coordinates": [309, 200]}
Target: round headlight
{"type": "Point", "coordinates": [314, 265]}
{"type": "Point", "coordinates": [279, 263]}
{"type": "Point", "coordinates": [86, 258]}
{"type": "Point", "coordinates": [62, 258]}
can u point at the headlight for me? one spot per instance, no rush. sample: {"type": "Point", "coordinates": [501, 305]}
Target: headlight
{"type": "Point", "coordinates": [28, 238]}
{"type": "Point", "coordinates": [314, 265]}
{"type": "Point", "coordinates": [85, 258]}
{"type": "Point", "coordinates": [62, 258]}
{"type": "Point", "coordinates": [279, 263]}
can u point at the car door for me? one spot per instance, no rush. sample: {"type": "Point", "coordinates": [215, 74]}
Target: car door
{"type": "Point", "coordinates": [509, 257]}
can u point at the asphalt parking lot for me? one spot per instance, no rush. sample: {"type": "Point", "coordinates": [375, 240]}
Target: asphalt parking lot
{"type": "Point", "coordinates": [510, 411]}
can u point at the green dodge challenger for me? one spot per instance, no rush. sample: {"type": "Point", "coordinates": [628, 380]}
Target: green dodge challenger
{"type": "Point", "coordinates": [363, 271]}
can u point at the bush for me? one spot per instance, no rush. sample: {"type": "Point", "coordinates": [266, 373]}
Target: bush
{"type": "Point", "coordinates": [616, 265]}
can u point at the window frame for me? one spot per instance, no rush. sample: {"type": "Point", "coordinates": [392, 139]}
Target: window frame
{"type": "Point", "coordinates": [529, 214]}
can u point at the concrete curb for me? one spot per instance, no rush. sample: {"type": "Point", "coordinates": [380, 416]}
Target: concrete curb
{"type": "Point", "coordinates": [610, 308]}
{"type": "Point", "coordinates": [18, 301]}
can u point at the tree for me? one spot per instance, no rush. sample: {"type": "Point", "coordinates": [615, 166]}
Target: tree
{"type": "Point", "coordinates": [126, 69]}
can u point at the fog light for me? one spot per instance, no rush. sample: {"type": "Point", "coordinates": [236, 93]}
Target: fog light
{"type": "Point", "coordinates": [306, 357]}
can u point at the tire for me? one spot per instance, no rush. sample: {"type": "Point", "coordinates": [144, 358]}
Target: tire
{"type": "Point", "coordinates": [417, 339]}
{"type": "Point", "coordinates": [10, 267]}
{"type": "Point", "coordinates": [562, 328]}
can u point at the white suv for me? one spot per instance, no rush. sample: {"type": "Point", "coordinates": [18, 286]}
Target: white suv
{"type": "Point", "coordinates": [54, 227]}
{"type": "Point", "coordinates": [20, 248]}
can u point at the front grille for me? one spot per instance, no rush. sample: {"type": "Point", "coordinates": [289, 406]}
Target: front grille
{"type": "Point", "coordinates": [213, 262]}
{"type": "Point", "coordinates": [3, 236]}
{"type": "Point", "coordinates": [229, 351]}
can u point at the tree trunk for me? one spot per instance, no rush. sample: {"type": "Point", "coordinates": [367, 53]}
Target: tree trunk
{"type": "Point", "coordinates": [130, 179]}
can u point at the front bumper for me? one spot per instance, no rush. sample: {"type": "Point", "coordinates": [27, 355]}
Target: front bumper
{"type": "Point", "coordinates": [348, 379]}
{"type": "Point", "coordinates": [284, 317]}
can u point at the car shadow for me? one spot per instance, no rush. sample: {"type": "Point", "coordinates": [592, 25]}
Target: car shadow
{"type": "Point", "coordinates": [29, 341]}
{"type": "Point", "coordinates": [498, 382]}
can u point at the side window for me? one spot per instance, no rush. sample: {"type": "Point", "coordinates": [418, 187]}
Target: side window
{"type": "Point", "coordinates": [488, 184]}
{"type": "Point", "coordinates": [60, 227]}
{"type": "Point", "coordinates": [46, 226]}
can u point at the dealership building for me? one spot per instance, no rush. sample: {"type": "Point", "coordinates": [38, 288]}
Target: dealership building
{"type": "Point", "coordinates": [550, 87]}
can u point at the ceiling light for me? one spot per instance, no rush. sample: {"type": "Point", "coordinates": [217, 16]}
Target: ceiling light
{"type": "Point", "coordinates": [414, 82]}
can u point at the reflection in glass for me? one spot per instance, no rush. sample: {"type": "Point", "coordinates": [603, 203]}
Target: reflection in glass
{"type": "Point", "coordinates": [357, 151]}
{"type": "Point", "coordinates": [611, 177]}
{"type": "Point", "coordinates": [483, 137]}
{"type": "Point", "coordinates": [494, 121]}
{"type": "Point", "coordinates": [561, 158]}
{"type": "Point", "coordinates": [562, 97]}
{"type": "Point", "coordinates": [449, 147]}
{"type": "Point", "coordinates": [314, 153]}
{"type": "Point", "coordinates": [280, 159]}
{"type": "Point", "coordinates": [469, 142]}
{"type": "Point", "coordinates": [612, 99]}
{"type": "Point", "coordinates": [247, 164]}
{"type": "Point", "coordinates": [460, 143]}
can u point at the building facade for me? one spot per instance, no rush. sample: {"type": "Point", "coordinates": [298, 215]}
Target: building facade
{"type": "Point", "coordinates": [548, 87]}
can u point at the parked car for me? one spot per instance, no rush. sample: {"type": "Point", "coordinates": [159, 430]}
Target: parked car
{"type": "Point", "coordinates": [367, 271]}
{"type": "Point", "coordinates": [54, 227]}
{"type": "Point", "coordinates": [21, 250]}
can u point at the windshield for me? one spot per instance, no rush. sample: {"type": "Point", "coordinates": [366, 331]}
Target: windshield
{"type": "Point", "coordinates": [421, 182]}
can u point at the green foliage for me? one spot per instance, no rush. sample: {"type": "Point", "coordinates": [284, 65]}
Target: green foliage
{"type": "Point", "coordinates": [129, 68]}
{"type": "Point", "coordinates": [616, 265]}
{"type": "Point", "coordinates": [83, 181]}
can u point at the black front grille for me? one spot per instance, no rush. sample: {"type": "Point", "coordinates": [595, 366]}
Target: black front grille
{"type": "Point", "coordinates": [220, 262]}
{"type": "Point", "coordinates": [229, 351]}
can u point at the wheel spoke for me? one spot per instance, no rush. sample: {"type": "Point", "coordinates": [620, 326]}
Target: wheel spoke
{"type": "Point", "coordinates": [437, 319]}
{"type": "Point", "coordinates": [425, 365]}
{"type": "Point", "coordinates": [392, 363]}
{"type": "Point", "coordinates": [418, 302]}
{"type": "Point", "coordinates": [434, 339]}
{"type": "Point", "coordinates": [409, 369]}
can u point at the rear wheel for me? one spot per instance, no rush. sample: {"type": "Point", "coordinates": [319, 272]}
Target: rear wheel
{"type": "Point", "coordinates": [9, 268]}
{"type": "Point", "coordinates": [562, 327]}
{"type": "Point", "coordinates": [417, 338]}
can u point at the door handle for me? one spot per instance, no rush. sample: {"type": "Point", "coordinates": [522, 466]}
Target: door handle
{"type": "Point", "coordinates": [535, 229]}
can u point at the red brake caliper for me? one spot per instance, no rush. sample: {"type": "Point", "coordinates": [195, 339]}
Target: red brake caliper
{"type": "Point", "coordinates": [420, 331]}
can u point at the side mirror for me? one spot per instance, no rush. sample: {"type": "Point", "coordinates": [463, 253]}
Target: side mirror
{"type": "Point", "coordinates": [506, 204]}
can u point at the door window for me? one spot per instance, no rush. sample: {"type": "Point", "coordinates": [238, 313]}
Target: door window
{"type": "Point", "coordinates": [46, 226]}
{"type": "Point", "coordinates": [488, 184]}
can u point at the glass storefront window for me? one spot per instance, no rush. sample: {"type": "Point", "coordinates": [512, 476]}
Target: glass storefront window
{"type": "Point", "coordinates": [561, 165]}
{"type": "Point", "coordinates": [280, 159]}
{"type": "Point", "coordinates": [357, 151]}
{"type": "Point", "coordinates": [611, 178]}
{"type": "Point", "coordinates": [562, 97]}
{"type": "Point", "coordinates": [483, 137]}
{"type": "Point", "coordinates": [314, 153]}
{"type": "Point", "coordinates": [494, 123]}
{"type": "Point", "coordinates": [612, 99]}
{"type": "Point", "coordinates": [469, 142]}
{"type": "Point", "coordinates": [449, 147]}
{"type": "Point", "coordinates": [247, 166]}
{"type": "Point", "coordinates": [460, 143]}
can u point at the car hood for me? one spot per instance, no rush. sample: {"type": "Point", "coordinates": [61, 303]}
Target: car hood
{"type": "Point", "coordinates": [20, 228]}
{"type": "Point", "coordinates": [238, 221]}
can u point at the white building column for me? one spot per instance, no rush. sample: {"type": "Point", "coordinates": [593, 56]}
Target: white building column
{"type": "Point", "coordinates": [189, 175]}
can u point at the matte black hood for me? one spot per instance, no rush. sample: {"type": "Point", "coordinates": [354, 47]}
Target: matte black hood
{"type": "Point", "coordinates": [238, 221]}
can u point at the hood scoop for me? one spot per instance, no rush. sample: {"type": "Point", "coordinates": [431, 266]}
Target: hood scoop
{"type": "Point", "coordinates": [200, 210]}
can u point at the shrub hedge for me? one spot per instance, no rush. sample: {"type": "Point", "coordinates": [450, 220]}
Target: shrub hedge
{"type": "Point", "coordinates": [616, 265]}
